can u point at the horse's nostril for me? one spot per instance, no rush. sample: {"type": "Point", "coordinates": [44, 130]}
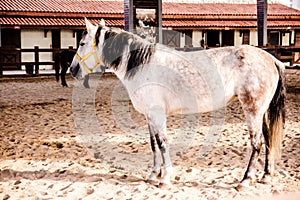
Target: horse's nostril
{"type": "Point", "coordinates": [74, 70]}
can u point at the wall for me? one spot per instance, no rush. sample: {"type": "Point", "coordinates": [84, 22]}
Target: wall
{"type": "Point", "coordinates": [197, 37]}
{"type": "Point", "coordinates": [238, 39]}
{"type": "Point", "coordinates": [182, 39]}
{"type": "Point", "coordinates": [67, 39]}
{"type": "Point", "coordinates": [286, 39]}
{"type": "Point", "coordinates": [253, 38]}
{"type": "Point", "coordinates": [36, 37]}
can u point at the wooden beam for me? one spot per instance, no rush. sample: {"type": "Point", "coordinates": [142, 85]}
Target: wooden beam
{"type": "Point", "coordinates": [262, 10]}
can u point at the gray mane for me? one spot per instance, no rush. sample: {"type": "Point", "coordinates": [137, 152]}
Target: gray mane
{"type": "Point", "coordinates": [140, 51]}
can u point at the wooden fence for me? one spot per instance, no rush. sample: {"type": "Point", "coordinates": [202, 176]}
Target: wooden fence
{"type": "Point", "coordinates": [36, 50]}
{"type": "Point", "coordinates": [289, 54]}
{"type": "Point", "coordinates": [283, 53]}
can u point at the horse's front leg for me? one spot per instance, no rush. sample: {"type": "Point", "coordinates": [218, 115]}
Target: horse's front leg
{"type": "Point", "coordinates": [63, 75]}
{"type": "Point", "coordinates": [164, 146]}
{"type": "Point", "coordinates": [157, 126]}
{"type": "Point", "coordinates": [156, 170]}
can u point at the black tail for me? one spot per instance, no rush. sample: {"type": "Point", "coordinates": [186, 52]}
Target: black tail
{"type": "Point", "coordinates": [57, 65]}
{"type": "Point", "coordinates": [276, 116]}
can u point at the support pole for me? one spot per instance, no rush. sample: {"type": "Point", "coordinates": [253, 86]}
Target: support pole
{"type": "Point", "coordinates": [128, 18]}
{"type": "Point", "coordinates": [36, 60]}
{"type": "Point", "coordinates": [159, 25]}
{"type": "Point", "coordinates": [262, 8]}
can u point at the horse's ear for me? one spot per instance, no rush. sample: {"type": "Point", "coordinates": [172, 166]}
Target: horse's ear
{"type": "Point", "coordinates": [89, 25]}
{"type": "Point", "coordinates": [102, 22]}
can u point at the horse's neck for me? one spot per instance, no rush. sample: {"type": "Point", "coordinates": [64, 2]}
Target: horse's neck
{"type": "Point", "coordinates": [120, 72]}
{"type": "Point", "coordinates": [122, 68]}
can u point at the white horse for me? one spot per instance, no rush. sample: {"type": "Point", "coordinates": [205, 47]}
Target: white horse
{"type": "Point", "coordinates": [162, 81]}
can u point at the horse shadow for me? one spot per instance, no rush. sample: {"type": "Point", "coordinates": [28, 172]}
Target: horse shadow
{"type": "Point", "coordinates": [66, 175]}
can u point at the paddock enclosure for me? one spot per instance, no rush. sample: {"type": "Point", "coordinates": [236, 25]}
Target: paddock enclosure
{"type": "Point", "coordinates": [47, 153]}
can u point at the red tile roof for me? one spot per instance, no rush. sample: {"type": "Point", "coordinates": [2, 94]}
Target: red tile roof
{"type": "Point", "coordinates": [210, 23]}
{"type": "Point", "coordinates": [230, 24]}
{"type": "Point", "coordinates": [178, 15]}
{"type": "Point", "coordinates": [62, 6]}
{"type": "Point", "coordinates": [224, 9]}
{"type": "Point", "coordinates": [33, 21]}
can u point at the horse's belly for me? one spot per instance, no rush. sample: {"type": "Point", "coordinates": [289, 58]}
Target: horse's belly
{"type": "Point", "coordinates": [199, 106]}
{"type": "Point", "coordinates": [177, 90]}
{"type": "Point", "coordinates": [185, 102]}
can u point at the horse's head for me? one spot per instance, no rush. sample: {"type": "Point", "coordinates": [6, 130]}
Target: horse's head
{"type": "Point", "coordinates": [86, 60]}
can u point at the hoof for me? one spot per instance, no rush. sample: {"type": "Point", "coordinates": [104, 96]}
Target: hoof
{"type": "Point", "coordinates": [153, 182]}
{"type": "Point", "coordinates": [244, 185]}
{"type": "Point", "coordinates": [165, 186]}
{"type": "Point", "coordinates": [240, 188]}
{"type": "Point", "coordinates": [267, 179]}
{"type": "Point", "coordinates": [154, 178]}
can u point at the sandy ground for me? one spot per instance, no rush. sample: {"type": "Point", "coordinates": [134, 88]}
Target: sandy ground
{"type": "Point", "coordinates": [76, 143]}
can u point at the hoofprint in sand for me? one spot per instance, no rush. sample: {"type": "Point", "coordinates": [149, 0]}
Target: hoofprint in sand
{"type": "Point", "coordinates": [48, 151]}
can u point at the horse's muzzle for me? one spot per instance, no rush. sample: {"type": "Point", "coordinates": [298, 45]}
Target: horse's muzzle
{"type": "Point", "coordinates": [74, 69]}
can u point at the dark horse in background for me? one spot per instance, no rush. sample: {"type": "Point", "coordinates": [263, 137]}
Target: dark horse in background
{"type": "Point", "coordinates": [62, 63]}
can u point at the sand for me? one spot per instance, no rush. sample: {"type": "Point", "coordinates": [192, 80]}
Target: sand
{"type": "Point", "coordinates": [76, 143]}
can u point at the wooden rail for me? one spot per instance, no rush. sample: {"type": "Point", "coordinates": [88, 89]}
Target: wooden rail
{"type": "Point", "coordinates": [289, 54]}
{"type": "Point", "coordinates": [36, 50]}
{"type": "Point", "coordinates": [283, 53]}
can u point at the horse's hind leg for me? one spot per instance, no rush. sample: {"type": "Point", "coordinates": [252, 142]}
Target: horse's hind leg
{"type": "Point", "coordinates": [254, 126]}
{"type": "Point", "coordinates": [254, 109]}
{"type": "Point", "coordinates": [63, 76]}
{"type": "Point", "coordinates": [273, 144]}
{"type": "Point", "coordinates": [57, 66]}
{"type": "Point", "coordinates": [157, 126]}
{"type": "Point", "coordinates": [269, 160]}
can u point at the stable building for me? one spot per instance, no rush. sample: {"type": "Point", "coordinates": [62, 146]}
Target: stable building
{"type": "Point", "coordinates": [58, 24]}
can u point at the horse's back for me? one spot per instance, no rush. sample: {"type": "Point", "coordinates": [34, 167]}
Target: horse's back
{"type": "Point", "coordinates": [244, 63]}
{"type": "Point", "coordinates": [251, 72]}
{"type": "Point", "coordinates": [245, 71]}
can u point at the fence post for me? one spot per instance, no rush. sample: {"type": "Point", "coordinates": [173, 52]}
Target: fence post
{"type": "Point", "coordinates": [277, 53]}
{"type": "Point", "coordinates": [1, 69]}
{"type": "Point", "coordinates": [36, 60]}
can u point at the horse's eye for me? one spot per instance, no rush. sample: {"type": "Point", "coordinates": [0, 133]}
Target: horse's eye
{"type": "Point", "coordinates": [82, 43]}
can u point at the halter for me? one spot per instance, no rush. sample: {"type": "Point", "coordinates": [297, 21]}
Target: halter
{"type": "Point", "coordinates": [86, 56]}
